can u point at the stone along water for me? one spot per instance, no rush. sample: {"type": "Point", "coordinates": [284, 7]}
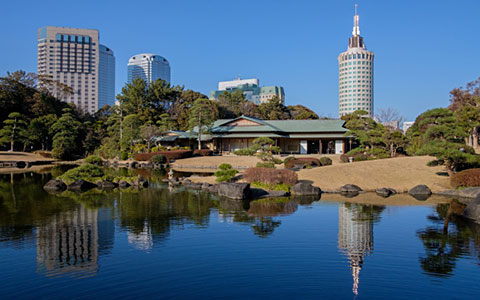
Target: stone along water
{"type": "Point", "coordinates": [166, 243]}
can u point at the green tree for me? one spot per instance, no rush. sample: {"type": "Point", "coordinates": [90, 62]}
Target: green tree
{"type": "Point", "coordinates": [39, 130]}
{"type": "Point", "coordinates": [202, 115]}
{"type": "Point", "coordinates": [300, 112]}
{"type": "Point", "coordinates": [13, 130]}
{"type": "Point", "coordinates": [148, 132]}
{"type": "Point", "coordinates": [273, 109]}
{"type": "Point", "coordinates": [394, 140]}
{"type": "Point", "coordinates": [65, 131]}
{"type": "Point", "coordinates": [131, 131]}
{"type": "Point", "coordinates": [231, 104]}
{"type": "Point", "coordinates": [266, 148]}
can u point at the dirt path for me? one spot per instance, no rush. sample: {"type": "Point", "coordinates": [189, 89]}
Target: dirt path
{"type": "Point", "coordinates": [400, 173]}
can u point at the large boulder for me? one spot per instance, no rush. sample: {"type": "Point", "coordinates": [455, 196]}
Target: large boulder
{"type": "Point", "coordinates": [470, 192]}
{"type": "Point", "coordinates": [350, 188]}
{"type": "Point", "coordinates": [81, 186]}
{"type": "Point", "coordinates": [234, 190]}
{"type": "Point", "coordinates": [305, 189]}
{"type": "Point", "coordinates": [420, 192]}
{"type": "Point", "coordinates": [213, 189]}
{"type": "Point", "coordinates": [472, 211]}
{"type": "Point", "coordinates": [55, 185]}
{"type": "Point", "coordinates": [107, 185]}
{"type": "Point", "coordinates": [385, 192]}
{"type": "Point", "coordinates": [205, 186]}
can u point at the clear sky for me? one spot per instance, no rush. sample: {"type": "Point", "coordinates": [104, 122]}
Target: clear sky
{"type": "Point", "coordinates": [423, 49]}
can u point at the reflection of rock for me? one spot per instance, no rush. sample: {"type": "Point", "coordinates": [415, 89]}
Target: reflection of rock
{"type": "Point", "coordinates": [81, 186]}
{"type": "Point", "coordinates": [233, 205]}
{"type": "Point", "coordinates": [355, 237]}
{"type": "Point", "coordinates": [385, 192]}
{"type": "Point", "coordinates": [472, 211]}
{"type": "Point", "coordinates": [420, 192]}
{"type": "Point", "coordinates": [272, 207]}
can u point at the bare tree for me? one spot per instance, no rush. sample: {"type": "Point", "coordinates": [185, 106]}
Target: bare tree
{"type": "Point", "coordinates": [389, 115]}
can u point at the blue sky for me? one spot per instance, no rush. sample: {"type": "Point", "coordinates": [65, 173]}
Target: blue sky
{"type": "Point", "coordinates": [423, 49]}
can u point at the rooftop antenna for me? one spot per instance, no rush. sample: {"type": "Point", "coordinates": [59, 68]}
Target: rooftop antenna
{"type": "Point", "coordinates": [356, 28]}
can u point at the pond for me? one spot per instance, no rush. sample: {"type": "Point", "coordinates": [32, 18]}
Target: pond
{"type": "Point", "coordinates": [163, 243]}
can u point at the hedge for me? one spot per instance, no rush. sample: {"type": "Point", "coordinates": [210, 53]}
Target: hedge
{"type": "Point", "coordinates": [466, 178]}
{"type": "Point", "coordinates": [270, 176]}
{"type": "Point", "coordinates": [302, 161]}
{"type": "Point", "coordinates": [174, 154]}
{"type": "Point", "coordinates": [203, 152]}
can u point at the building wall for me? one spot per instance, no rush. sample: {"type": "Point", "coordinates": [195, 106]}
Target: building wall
{"type": "Point", "coordinates": [149, 67]}
{"type": "Point", "coordinates": [106, 77]}
{"type": "Point", "coordinates": [71, 56]}
{"type": "Point", "coordinates": [224, 85]}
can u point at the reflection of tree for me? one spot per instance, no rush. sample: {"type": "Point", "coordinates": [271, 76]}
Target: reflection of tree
{"type": "Point", "coordinates": [150, 213]}
{"type": "Point", "coordinates": [258, 214]}
{"type": "Point", "coordinates": [444, 245]}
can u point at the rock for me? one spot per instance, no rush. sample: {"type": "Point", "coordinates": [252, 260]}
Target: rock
{"type": "Point", "coordinates": [123, 184]}
{"type": "Point", "coordinates": [420, 192]}
{"type": "Point", "coordinates": [186, 181]}
{"type": "Point", "coordinates": [205, 185]}
{"type": "Point", "coordinates": [20, 164]}
{"type": "Point", "coordinates": [107, 185]}
{"type": "Point", "coordinates": [471, 192]}
{"type": "Point", "coordinates": [55, 185]}
{"type": "Point", "coordinates": [305, 189]}
{"type": "Point", "coordinates": [472, 211]}
{"type": "Point", "coordinates": [234, 190]}
{"type": "Point", "coordinates": [385, 192]}
{"type": "Point", "coordinates": [133, 165]}
{"type": "Point", "coordinates": [213, 189]}
{"type": "Point", "coordinates": [350, 188]}
{"type": "Point", "coordinates": [81, 186]}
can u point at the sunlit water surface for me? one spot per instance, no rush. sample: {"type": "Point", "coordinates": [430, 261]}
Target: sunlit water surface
{"type": "Point", "coordinates": [188, 244]}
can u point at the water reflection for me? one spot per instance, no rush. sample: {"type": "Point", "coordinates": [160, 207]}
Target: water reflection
{"type": "Point", "coordinates": [355, 234]}
{"type": "Point", "coordinates": [448, 238]}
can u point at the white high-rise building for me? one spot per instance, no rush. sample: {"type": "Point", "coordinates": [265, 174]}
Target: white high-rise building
{"type": "Point", "coordinates": [355, 75]}
{"type": "Point", "coordinates": [148, 67]}
{"type": "Point", "coordinates": [73, 57]}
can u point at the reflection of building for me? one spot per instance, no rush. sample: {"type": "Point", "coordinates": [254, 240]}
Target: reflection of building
{"type": "Point", "coordinates": [355, 238]}
{"type": "Point", "coordinates": [72, 241]}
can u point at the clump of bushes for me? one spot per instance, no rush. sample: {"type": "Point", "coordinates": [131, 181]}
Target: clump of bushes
{"type": "Point", "coordinates": [362, 154]}
{"type": "Point", "coordinates": [270, 164]}
{"type": "Point", "coordinates": [271, 176]}
{"type": "Point", "coordinates": [306, 162]}
{"type": "Point", "coordinates": [202, 152]}
{"type": "Point", "coordinates": [434, 163]}
{"type": "Point", "coordinates": [158, 159]}
{"type": "Point", "coordinates": [94, 160]}
{"type": "Point", "coordinates": [174, 154]}
{"type": "Point", "coordinates": [466, 178]}
{"type": "Point", "coordinates": [325, 161]}
{"type": "Point", "coordinates": [245, 152]}
{"type": "Point", "coordinates": [225, 173]}
{"type": "Point", "coordinates": [87, 172]}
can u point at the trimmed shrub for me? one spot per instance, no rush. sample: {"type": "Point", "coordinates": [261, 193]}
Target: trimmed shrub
{"type": "Point", "coordinates": [245, 152]}
{"type": "Point", "coordinates": [174, 154]}
{"type": "Point", "coordinates": [203, 152]}
{"type": "Point", "coordinates": [303, 161]}
{"type": "Point", "coordinates": [270, 165]}
{"type": "Point", "coordinates": [466, 178]}
{"type": "Point", "coordinates": [158, 159]}
{"type": "Point", "coordinates": [86, 172]}
{"type": "Point", "coordinates": [225, 173]}
{"type": "Point", "coordinates": [325, 161]}
{"type": "Point", "coordinates": [270, 176]}
{"type": "Point", "coordinates": [344, 158]}
{"type": "Point", "coordinates": [286, 160]}
{"type": "Point", "coordinates": [434, 163]}
{"type": "Point", "coordinates": [94, 160]}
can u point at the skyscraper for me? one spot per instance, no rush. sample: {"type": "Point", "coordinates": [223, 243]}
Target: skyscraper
{"type": "Point", "coordinates": [75, 58]}
{"type": "Point", "coordinates": [355, 74]}
{"type": "Point", "coordinates": [149, 67]}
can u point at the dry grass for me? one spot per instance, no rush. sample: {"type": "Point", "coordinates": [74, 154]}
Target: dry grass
{"type": "Point", "coordinates": [400, 173]}
{"type": "Point", "coordinates": [22, 156]}
{"type": "Point", "coordinates": [395, 200]}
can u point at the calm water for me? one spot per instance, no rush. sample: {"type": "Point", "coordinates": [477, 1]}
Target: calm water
{"type": "Point", "coordinates": [188, 244]}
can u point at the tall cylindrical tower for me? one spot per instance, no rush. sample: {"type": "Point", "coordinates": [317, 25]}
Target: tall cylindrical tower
{"type": "Point", "coordinates": [355, 66]}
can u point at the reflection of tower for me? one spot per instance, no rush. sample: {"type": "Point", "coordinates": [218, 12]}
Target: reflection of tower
{"type": "Point", "coordinates": [68, 244]}
{"type": "Point", "coordinates": [355, 237]}
{"type": "Point", "coordinates": [142, 240]}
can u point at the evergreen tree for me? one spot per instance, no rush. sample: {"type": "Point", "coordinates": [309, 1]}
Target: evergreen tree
{"type": "Point", "coordinates": [65, 131]}
{"type": "Point", "coordinates": [202, 115]}
{"type": "Point", "coordinates": [14, 130]}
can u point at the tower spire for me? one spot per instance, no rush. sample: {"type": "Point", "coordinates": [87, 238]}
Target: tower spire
{"type": "Point", "coordinates": [356, 28]}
